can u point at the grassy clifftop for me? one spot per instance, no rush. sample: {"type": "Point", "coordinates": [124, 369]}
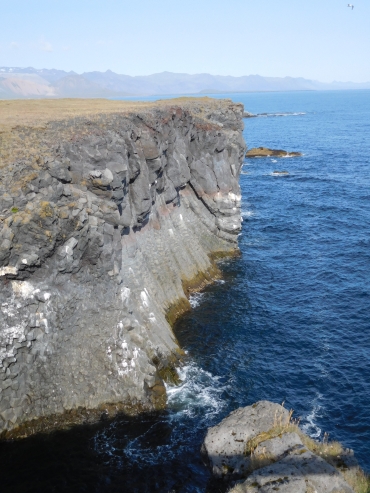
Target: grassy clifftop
{"type": "Point", "coordinates": [29, 128]}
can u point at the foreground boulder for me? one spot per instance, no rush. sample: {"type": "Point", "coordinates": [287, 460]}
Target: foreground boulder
{"type": "Point", "coordinates": [261, 445]}
{"type": "Point", "coordinates": [266, 152]}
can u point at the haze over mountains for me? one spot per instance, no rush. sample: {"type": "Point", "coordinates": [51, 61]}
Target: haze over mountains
{"type": "Point", "coordinates": [16, 82]}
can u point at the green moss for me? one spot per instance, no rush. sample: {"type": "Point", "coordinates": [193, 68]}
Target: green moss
{"type": "Point", "coordinates": [181, 306]}
{"type": "Point", "coordinates": [169, 375]}
{"type": "Point", "coordinates": [221, 254]}
{"type": "Point", "coordinates": [14, 210]}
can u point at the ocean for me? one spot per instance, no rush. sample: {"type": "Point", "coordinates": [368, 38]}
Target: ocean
{"type": "Point", "coordinates": [288, 322]}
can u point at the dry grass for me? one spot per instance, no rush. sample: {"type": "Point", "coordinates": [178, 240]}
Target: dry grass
{"type": "Point", "coordinates": [334, 453]}
{"type": "Point", "coordinates": [357, 479]}
{"type": "Point", "coordinates": [281, 425]}
{"type": "Point", "coordinates": [257, 461]}
{"type": "Point", "coordinates": [38, 112]}
{"type": "Point", "coordinates": [31, 129]}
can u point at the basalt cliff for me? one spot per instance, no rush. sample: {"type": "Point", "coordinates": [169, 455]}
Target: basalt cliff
{"type": "Point", "coordinates": [110, 213]}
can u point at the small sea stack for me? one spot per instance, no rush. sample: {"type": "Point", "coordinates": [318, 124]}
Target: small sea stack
{"type": "Point", "coordinates": [266, 152]}
{"type": "Point", "coordinates": [260, 449]}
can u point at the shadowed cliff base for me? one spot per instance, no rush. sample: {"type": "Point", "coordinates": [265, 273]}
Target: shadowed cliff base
{"type": "Point", "coordinates": [67, 460]}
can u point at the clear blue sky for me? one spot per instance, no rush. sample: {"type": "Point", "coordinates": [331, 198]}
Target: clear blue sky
{"type": "Point", "coordinates": [316, 39]}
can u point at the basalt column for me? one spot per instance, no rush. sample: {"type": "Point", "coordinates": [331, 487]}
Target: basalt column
{"type": "Point", "coordinates": [101, 235]}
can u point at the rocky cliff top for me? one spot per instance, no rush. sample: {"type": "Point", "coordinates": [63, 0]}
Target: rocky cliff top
{"type": "Point", "coordinates": [97, 147]}
{"type": "Point", "coordinates": [32, 112]}
{"type": "Point", "coordinates": [28, 129]}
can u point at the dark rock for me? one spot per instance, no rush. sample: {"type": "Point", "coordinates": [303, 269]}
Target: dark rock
{"type": "Point", "coordinates": [105, 227]}
{"type": "Point", "coordinates": [246, 114]}
{"type": "Point", "coordinates": [265, 152]}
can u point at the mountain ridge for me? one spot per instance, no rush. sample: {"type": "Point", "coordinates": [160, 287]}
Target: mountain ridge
{"type": "Point", "coordinates": [30, 82]}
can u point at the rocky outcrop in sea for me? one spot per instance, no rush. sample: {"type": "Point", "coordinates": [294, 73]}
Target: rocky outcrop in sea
{"type": "Point", "coordinates": [260, 449]}
{"type": "Point", "coordinates": [108, 219]}
{"type": "Point", "coordinates": [266, 152]}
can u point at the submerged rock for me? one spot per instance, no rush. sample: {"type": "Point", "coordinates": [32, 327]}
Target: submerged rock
{"type": "Point", "coordinates": [266, 152]}
{"type": "Point", "coordinates": [260, 444]}
{"type": "Point", "coordinates": [280, 173]}
{"type": "Point", "coordinates": [246, 114]}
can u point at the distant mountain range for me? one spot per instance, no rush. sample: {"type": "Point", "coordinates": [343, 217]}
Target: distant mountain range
{"type": "Point", "coordinates": [16, 82]}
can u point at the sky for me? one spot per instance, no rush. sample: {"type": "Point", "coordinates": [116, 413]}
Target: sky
{"type": "Point", "coordinates": [316, 39]}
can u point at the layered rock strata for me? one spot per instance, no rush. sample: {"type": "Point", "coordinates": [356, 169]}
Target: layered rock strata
{"type": "Point", "coordinates": [103, 230]}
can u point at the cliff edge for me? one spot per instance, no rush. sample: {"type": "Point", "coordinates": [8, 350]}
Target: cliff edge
{"type": "Point", "coordinates": [110, 212]}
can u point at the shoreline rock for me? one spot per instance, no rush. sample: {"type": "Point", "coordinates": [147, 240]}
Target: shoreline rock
{"type": "Point", "coordinates": [259, 449]}
{"type": "Point", "coordinates": [266, 152]}
{"type": "Point", "coordinates": [246, 114]}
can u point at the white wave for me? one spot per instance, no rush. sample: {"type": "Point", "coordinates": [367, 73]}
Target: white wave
{"type": "Point", "coordinates": [279, 173]}
{"type": "Point", "coordinates": [247, 213]}
{"type": "Point", "coordinates": [192, 407]}
{"type": "Point", "coordinates": [200, 390]}
{"type": "Point", "coordinates": [267, 115]}
{"type": "Point", "coordinates": [195, 299]}
{"type": "Point", "coordinates": [309, 425]}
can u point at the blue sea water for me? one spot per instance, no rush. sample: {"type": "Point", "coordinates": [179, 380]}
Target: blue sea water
{"type": "Point", "coordinates": [289, 321]}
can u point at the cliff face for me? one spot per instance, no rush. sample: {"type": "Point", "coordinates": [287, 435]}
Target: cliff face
{"type": "Point", "coordinates": [101, 235]}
